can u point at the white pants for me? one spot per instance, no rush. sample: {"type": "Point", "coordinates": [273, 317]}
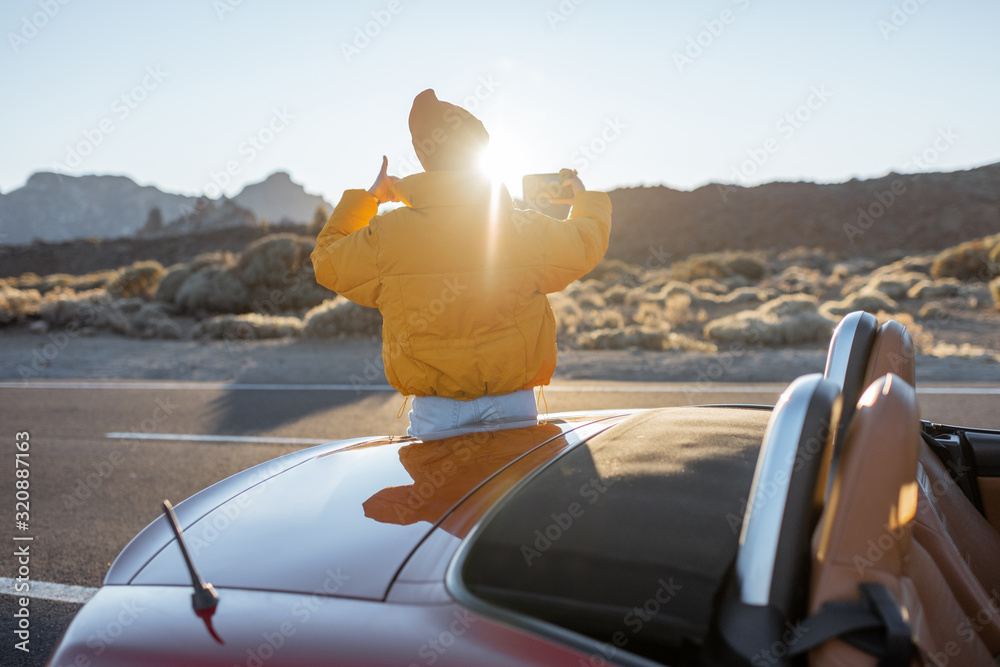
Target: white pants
{"type": "Point", "coordinates": [434, 417]}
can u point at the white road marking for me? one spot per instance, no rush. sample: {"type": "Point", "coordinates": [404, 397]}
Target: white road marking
{"type": "Point", "coordinates": [188, 437]}
{"type": "Point", "coordinates": [618, 388]}
{"type": "Point", "coordinates": [45, 590]}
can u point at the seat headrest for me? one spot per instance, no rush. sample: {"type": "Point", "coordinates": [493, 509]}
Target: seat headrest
{"type": "Point", "coordinates": [893, 352]}
{"type": "Point", "coordinates": [850, 349]}
{"type": "Point", "coordinates": [865, 529]}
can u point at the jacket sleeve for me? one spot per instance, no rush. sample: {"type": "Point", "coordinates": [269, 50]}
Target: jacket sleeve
{"type": "Point", "coordinates": [346, 253]}
{"type": "Point", "coordinates": [573, 247]}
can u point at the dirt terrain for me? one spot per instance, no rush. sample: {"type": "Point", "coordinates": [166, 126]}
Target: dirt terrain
{"type": "Point", "coordinates": [358, 361]}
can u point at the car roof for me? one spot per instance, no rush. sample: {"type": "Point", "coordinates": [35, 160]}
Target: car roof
{"type": "Point", "coordinates": [646, 513]}
{"type": "Point", "coordinates": [357, 512]}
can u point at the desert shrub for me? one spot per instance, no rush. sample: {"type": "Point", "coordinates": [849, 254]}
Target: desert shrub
{"type": "Point", "coordinates": [699, 266]}
{"type": "Point", "coordinates": [585, 294]}
{"type": "Point", "coordinates": [639, 337]}
{"type": "Point", "coordinates": [747, 295]}
{"type": "Point", "coordinates": [171, 282]}
{"type": "Point", "coordinates": [207, 259]}
{"type": "Point", "coordinates": [648, 314]}
{"type": "Point", "coordinates": [94, 308]}
{"type": "Point", "coordinates": [963, 351]}
{"type": "Point", "coordinates": [894, 285]}
{"type": "Point", "coordinates": [603, 319]}
{"type": "Point", "coordinates": [736, 281]}
{"type": "Point", "coordinates": [719, 265]}
{"type": "Point", "coordinates": [709, 286]}
{"type": "Point", "coordinates": [151, 320]}
{"type": "Point", "coordinates": [615, 295]}
{"type": "Point", "coordinates": [749, 266]}
{"type": "Point", "coordinates": [910, 264]}
{"type": "Point", "coordinates": [63, 281]}
{"type": "Point", "coordinates": [994, 259]}
{"type": "Point", "coordinates": [45, 284]}
{"type": "Point", "coordinates": [341, 317]}
{"type": "Point", "coordinates": [787, 320]}
{"type": "Point", "coordinates": [249, 326]}
{"type": "Point", "coordinates": [678, 309]}
{"type": "Point", "coordinates": [95, 280]}
{"type": "Point", "coordinates": [174, 278]}
{"type": "Point", "coordinates": [800, 280]}
{"type": "Point", "coordinates": [17, 304]}
{"type": "Point", "coordinates": [934, 289]}
{"type": "Point", "coordinates": [968, 261]}
{"type": "Point", "coordinates": [932, 310]}
{"type": "Point", "coordinates": [270, 260]}
{"type": "Point", "coordinates": [213, 289]}
{"type": "Point", "coordinates": [568, 314]}
{"type": "Point", "coordinates": [137, 280]}
{"type": "Point", "coordinates": [617, 272]}
{"type": "Point", "coordinates": [870, 301]}
{"type": "Point", "coordinates": [663, 294]}
{"type": "Point", "coordinates": [807, 258]}
{"type": "Point", "coordinates": [301, 294]}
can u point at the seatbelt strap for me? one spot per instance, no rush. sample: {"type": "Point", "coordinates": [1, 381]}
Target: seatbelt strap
{"type": "Point", "coordinates": [874, 624]}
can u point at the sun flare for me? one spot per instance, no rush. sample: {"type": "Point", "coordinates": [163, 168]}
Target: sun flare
{"type": "Point", "coordinates": [507, 161]}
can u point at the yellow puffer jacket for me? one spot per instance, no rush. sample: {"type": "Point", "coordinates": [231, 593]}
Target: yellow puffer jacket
{"type": "Point", "coordinates": [460, 277]}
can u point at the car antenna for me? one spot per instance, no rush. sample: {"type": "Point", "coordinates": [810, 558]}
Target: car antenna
{"type": "Point", "coordinates": [204, 596]}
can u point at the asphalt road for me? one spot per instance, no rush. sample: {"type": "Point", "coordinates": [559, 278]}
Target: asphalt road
{"type": "Point", "coordinates": [91, 493]}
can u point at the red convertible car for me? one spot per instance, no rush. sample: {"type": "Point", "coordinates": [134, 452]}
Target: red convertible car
{"type": "Point", "coordinates": [833, 528]}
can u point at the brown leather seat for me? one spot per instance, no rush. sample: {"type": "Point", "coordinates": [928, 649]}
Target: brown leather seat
{"type": "Point", "coordinates": [865, 534]}
{"type": "Point", "coordinates": [893, 352]}
{"type": "Point", "coordinates": [963, 545]}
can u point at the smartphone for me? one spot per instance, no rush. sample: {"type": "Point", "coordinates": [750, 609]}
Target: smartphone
{"type": "Point", "coordinates": [543, 188]}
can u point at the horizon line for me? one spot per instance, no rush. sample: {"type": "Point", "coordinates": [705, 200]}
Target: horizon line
{"type": "Point", "coordinates": [323, 195]}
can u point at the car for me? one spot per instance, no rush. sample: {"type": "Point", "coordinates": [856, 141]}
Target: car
{"type": "Point", "coordinates": [834, 528]}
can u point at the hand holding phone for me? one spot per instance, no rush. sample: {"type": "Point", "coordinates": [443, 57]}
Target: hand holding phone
{"type": "Point", "coordinates": [552, 188]}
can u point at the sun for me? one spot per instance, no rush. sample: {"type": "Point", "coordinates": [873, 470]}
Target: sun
{"type": "Point", "coordinates": [506, 160]}
{"type": "Point", "coordinates": [495, 164]}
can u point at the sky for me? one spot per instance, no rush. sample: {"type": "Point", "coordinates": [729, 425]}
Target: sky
{"type": "Point", "coordinates": [206, 96]}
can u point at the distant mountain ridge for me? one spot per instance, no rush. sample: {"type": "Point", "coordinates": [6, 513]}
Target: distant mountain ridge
{"type": "Point", "coordinates": [897, 212]}
{"type": "Point", "coordinates": [651, 225]}
{"type": "Point", "coordinates": [58, 207]}
{"type": "Point", "coordinates": [280, 199]}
